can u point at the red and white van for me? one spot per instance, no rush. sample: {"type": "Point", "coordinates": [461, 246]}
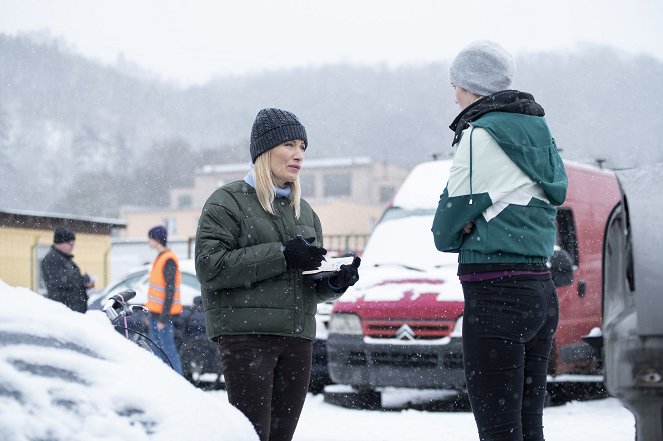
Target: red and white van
{"type": "Point", "coordinates": [400, 326]}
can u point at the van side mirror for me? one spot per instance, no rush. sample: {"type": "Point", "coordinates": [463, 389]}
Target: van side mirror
{"type": "Point", "coordinates": [561, 268]}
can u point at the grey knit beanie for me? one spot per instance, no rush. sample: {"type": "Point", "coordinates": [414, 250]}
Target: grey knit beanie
{"type": "Point", "coordinates": [483, 68]}
{"type": "Point", "coordinates": [273, 127]}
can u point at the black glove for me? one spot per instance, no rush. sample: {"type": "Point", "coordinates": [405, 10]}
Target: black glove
{"type": "Point", "coordinates": [348, 275]}
{"type": "Point", "coordinates": [299, 253]}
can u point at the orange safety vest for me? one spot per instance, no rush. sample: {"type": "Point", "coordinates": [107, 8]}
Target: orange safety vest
{"type": "Point", "coordinates": [156, 293]}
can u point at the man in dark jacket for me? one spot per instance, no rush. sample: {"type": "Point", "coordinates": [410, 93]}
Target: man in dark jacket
{"type": "Point", "coordinates": [63, 279]}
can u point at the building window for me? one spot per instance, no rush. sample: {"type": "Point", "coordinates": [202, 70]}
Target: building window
{"type": "Point", "coordinates": [386, 192]}
{"type": "Point", "coordinates": [171, 225]}
{"type": "Point", "coordinates": [337, 184]}
{"type": "Point", "coordinates": [308, 186]}
{"type": "Point", "coordinates": [184, 201]}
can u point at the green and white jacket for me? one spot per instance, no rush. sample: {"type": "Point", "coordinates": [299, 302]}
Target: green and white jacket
{"type": "Point", "coordinates": [506, 178]}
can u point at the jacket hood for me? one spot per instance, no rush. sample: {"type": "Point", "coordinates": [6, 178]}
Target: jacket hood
{"type": "Point", "coordinates": [509, 101]}
{"type": "Point", "coordinates": [526, 139]}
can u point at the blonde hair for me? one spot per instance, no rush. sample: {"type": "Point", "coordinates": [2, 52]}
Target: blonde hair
{"type": "Point", "coordinates": [266, 190]}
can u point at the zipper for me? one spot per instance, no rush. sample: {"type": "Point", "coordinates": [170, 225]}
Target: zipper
{"type": "Point", "coordinates": [472, 130]}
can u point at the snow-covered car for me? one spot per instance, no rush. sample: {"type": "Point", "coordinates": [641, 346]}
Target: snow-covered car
{"type": "Point", "coordinates": [69, 376]}
{"type": "Point", "coordinates": [200, 357]}
{"type": "Point", "coordinates": [401, 324]}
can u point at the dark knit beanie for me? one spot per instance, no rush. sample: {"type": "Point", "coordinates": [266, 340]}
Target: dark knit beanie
{"type": "Point", "coordinates": [273, 127]}
{"type": "Point", "coordinates": [159, 233]}
{"type": "Point", "coordinates": [62, 235]}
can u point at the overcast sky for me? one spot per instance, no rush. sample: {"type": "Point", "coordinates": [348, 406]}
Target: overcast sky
{"type": "Point", "coordinates": [190, 41]}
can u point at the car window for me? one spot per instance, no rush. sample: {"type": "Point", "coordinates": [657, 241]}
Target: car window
{"type": "Point", "coordinates": [404, 238]}
{"type": "Point", "coordinates": [190, 280]}
{"type": "Point", "coordinates": [131, 281]}
{"type": "Point", "coordinates": [566, 234]}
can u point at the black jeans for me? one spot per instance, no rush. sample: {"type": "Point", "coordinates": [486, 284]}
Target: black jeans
{"type": "Point", "coordinates": [267, 378]}
{"type": "Point", "coordinates": [508, 329]}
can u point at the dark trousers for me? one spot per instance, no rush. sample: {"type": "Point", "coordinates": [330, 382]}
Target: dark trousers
{"type": "Point", "coordinates": [267, 378]}
{"type": "Point", "coordinates": [508, 329]}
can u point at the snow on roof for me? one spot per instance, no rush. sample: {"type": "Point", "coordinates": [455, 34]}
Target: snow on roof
{"type": "Point", "coordinates": [99, 220]}
{"type": "Point", "coordinates": [423, 186]}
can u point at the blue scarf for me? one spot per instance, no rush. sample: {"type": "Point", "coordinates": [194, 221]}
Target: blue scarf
{"type": "Point", "coordinates": [280, 192]}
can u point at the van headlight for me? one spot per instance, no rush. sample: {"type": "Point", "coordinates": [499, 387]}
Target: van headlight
{"type": "Point", "coordinates": [458, 328]}
{"type": "Point", "coordinates": [345, 324]}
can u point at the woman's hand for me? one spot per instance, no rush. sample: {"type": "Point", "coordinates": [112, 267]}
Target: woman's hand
{"type": "Point", "coordinates": [299, 253]}
{"type": "Point", "coordinates": [468, 228]}
{"type": "Point", "coordinates": [347, 276]}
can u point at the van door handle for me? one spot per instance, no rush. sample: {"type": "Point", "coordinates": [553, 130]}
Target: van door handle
{"type": "Point", "coordinates": [582, 288]}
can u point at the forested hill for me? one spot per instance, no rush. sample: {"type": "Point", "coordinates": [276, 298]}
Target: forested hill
{"type": "Point", "coordinates": [81, 137]}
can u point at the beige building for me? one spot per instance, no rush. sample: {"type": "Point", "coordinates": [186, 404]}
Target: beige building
{"type": "Point", "coordinates": [26, 237]}
{"type": "Point", "coordinates": [348, 194]}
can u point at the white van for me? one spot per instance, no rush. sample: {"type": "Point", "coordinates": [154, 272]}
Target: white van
{"type": "Point", "coordinates": [400, 325]}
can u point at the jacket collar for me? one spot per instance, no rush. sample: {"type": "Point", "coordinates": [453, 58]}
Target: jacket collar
{"type": "Point", "coordinates": [67, 256]}
{"type": "Point", "coordinates": [509, 101]}
{"type": "Point", "coordinates": [280, 192]}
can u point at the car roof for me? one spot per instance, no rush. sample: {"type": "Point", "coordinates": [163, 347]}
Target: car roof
{"type": "Point", "coordinates": [72, 376]}
{"type": "Point", "coordinates": [423, 186]}
{"type": "Point", "coordinates": [186, 265]}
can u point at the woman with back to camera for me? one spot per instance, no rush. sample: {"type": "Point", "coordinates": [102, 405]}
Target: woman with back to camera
{"type": "Point", "coordinates": [498, 213]}
{"type": "Point", "coordinates": [254, 239]}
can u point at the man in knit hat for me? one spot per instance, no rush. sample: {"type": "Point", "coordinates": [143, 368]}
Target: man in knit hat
{"type": "Point", "coordinates": [498, 213]}
{"type": "Point", "coordinates": [163, 297]}
{"type": "Point", "coordinates": [62, 277]}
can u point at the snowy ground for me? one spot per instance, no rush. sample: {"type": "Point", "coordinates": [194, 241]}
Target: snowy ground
{"type": "Point", "coordinates": [68, 377]}
{"type": "Point", "coordinates": [600, 420]}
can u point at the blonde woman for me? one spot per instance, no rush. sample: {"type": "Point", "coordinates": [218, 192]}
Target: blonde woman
{"type": "Point", "coordinates": [255, 237]}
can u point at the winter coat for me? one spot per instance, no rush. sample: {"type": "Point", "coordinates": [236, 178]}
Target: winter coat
{"type": "Point", "coordinates": [246, 287]}
{"type": "Point", "coordinates": [506, 178]}
{"type": "Point", "coordinates": [64, 281]}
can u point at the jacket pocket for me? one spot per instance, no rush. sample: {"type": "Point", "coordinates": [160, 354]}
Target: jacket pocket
{"type": "Point", "coordinates": [307, 231]}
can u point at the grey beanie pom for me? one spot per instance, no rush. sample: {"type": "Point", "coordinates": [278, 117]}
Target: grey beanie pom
{"type": "Point", "coordinates": [273, 127]}
{"type": "Point", "coordinates": [483, 68]}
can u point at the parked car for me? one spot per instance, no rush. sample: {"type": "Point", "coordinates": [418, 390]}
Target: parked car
{"type": "Point", "coordinates": [200, 356]}
{"type": "Point", "coordinates": [401, 324]}
{"type": "Point", "coordinates": [68, 376]}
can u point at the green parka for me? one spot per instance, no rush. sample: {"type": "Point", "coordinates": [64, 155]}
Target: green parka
{"type": "Point", "coordinates": [246, 287]}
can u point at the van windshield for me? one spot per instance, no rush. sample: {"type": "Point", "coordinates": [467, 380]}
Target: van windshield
{"type": "Point", "coordinates": [404, 238]}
